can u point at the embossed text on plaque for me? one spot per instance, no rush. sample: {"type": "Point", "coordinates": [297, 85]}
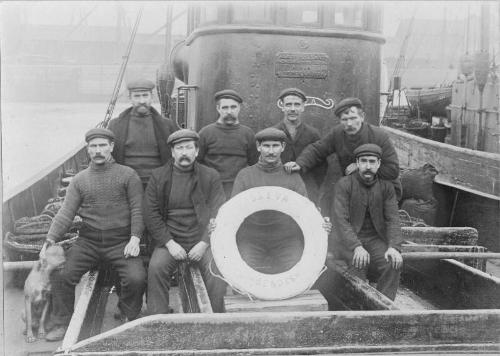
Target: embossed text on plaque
{"type": "Point", "coordinates": [301, 65]}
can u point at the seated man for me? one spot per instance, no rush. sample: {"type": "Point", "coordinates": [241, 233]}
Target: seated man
{"type": "Point", "coordinates": [108, 197]}
{"type": "Point", "coordinates": [366, 220]}
{"type": "Point", "coordinates": [269, 241]}
{"type": "Point", "coordinates": [180, 199]}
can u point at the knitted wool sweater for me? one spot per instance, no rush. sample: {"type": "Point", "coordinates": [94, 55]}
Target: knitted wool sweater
{"type": "Point", "coordinates": [227, 149]}
{"type": "Point", "coordinates": [107, 196]}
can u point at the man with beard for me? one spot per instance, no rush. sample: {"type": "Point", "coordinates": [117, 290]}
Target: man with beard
{"type": "Point", "coordinates": [270, 241]}
{"type": "Point", "coordinates": [181, 198]}
{"type": "Point", "coordinates": [141, 132]}
{"type": "Point", "coordinates": [366, 220]}
{"type": "Point", "coordinates": [108, 197]}
{"type": "Point", "coordinates": [344, 138]}
{"type": "Point", "coordinates": [298, 136]}
{"type": "Point", "coordinates": [226, 145]}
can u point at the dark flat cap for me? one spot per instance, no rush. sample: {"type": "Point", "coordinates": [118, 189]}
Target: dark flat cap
{"type": "Point", "coordinates": [347, 103]}
{"type": "Point", "coordinates": [182, 135]}
{"type": "Point", "coordinates": [140, 84]}
{"type": "Point", "coordinates": [292, 91]}
{"type": "Point", "coordinates": [271, 133]}
{"type": "Point", "coordinates": [99, 132]}
{"type": "Point", "coordinates": [368, 149]}
{"type": "Point", "coordinates": [229, 94]}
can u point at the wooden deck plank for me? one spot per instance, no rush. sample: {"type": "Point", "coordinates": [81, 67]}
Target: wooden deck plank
{"type": "Point", "coordinates": [334, 330]}
{"type": "Point", "coordinates": [310, 300]}
{"type": "Point", "coordinates": [88, 283]}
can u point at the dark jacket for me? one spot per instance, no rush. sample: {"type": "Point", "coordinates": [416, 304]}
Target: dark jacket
{"type": "Point", "coordinates": [352, 198]}
{"type": "Point", "coordinates": [207, 197]}
{"type": "Point", "coordinates": [162, 128]}
{"type": "Point", "coordinates": [343, 145]}
{"type": "Point", "coordinates": [306, 134]}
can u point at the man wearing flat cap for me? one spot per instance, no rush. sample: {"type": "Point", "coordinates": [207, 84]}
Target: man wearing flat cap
{"type": "Point", "coordinates": [141, 132]}
{"type": "Point", "coordinates": [108, 198]}
{"type": "Point", "coordinates": [181, 198]}
{"type": "Point", "coordinates": [344, 138]}
{"type": "Point", "coordinates": [226, 145]}
{"type": "Point", "coordinates": [298, 136]}
{"type": "Point", "coordinates": [270, 241]}
{"type": "Point", "coordinates": [367, 231]}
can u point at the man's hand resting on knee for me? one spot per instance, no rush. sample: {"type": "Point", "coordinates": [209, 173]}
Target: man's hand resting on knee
{"type": "Point", "coordinates": [176, 250]}
{"type": "Point", "coordinates": [361, 258]}
{"type": "Point", "coordinates": [198, 250]}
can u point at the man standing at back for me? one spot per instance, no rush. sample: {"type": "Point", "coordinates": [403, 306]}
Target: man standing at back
{"type": "Point", "coordinates": [141, 132]}
{"type": "Point", "coordinates": [226, 145]}
{"type": "Point", "coordinates": [298, 136]}
{"type": "Point", "coordinates": [344, 138]}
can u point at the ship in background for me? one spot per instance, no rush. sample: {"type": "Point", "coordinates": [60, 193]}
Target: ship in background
{"type": "Point", "coordinates": [463, 142]}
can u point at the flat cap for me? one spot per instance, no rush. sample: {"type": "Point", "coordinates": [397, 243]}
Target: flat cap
{"type": "Point", "coordinates": [292, 91]}
{"type": "Point", "coordinates": [182, 135]}
{"type": "Point", "coordinates": [228, 93]}
{"type": "Point", "coordinates": [140, 84]}
{"type": "Point", "coordinates": [271, 133]}
{"type": "Point", "coordinates": [368, 149]}
{"type": "Point", "coordinates": [99, 132]}
{"type": "Point", "coordinates": [347, 103]}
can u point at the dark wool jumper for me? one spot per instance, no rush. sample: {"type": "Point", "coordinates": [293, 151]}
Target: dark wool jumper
{"type": "Point", "coordinates": [107, 197]}
{"type": "Point", "coordinates": [162, 128]}
{"type": "Point", "coordinates": [204, 190]}
{"type": "Point", "coordinates": [337, 141]}
{"type": "Point", "coordinates": [227, 149]}
{"type": "Point", "coordinates": [141, 150]}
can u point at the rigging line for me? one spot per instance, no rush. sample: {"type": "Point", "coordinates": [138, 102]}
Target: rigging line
{"type": "Point", "coordinates": [121, 73]}
{"type": "Point", "coordinates": [77, 26]}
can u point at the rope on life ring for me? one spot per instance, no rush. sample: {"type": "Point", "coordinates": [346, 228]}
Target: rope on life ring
{"type": "Point", "coordinates": [239, 274]}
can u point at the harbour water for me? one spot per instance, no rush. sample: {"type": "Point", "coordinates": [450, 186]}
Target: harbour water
{"type": "Point", "coordinates": [37, 135]}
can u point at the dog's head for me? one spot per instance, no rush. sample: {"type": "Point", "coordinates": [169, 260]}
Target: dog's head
{"type": "Point", "coordinates": [54, 257]}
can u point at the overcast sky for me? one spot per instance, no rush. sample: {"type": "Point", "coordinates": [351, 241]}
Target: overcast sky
{"type": "Point", "coordinates": [104, 12]}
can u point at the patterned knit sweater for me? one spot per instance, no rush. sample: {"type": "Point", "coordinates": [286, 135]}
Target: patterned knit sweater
{"type": "Point", "coordinates": [107, 196]}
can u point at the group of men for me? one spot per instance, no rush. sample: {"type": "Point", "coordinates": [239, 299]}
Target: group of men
{"type": "Point", "coordinates": [148, 180]}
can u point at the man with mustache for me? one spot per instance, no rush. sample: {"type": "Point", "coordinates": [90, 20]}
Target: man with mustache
{"type": "Point", "coordinates": [181, 198]}
{"type": "Point", "coordinates": [344, 138]}
{"type": "Point", "coordinates": [270, 241]}
{"type": "Point", "coordinates": [226, 145]}
{"type": "Point", "coordinates": [108, 198]}
{"type": "Point", "coordinates": [298, 136]}
{"type": "Point", "coordinates": [366, 221]}
{"type": "Point", "coordinates": [141, 132]}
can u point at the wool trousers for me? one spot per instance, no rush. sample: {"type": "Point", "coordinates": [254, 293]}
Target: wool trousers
{"type": "Point", "coordinates": [387, 277]}
{"type": "Point", "coordinates": [161, 267]}
{"type": "Point", "coordinates": [86, 254]}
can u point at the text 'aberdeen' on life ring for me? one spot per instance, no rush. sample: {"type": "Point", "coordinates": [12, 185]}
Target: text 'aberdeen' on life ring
{"type": "Point", "coordinates": [269, 286]}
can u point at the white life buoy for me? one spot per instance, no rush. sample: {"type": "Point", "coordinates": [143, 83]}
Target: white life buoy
{"type": "Point", "coordinates": [269, 286]}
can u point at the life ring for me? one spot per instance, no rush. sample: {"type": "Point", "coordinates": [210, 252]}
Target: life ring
{"type": "Point", "coordinates": [239, 274]}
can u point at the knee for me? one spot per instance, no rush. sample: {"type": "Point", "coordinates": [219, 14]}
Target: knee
{"type": "Point", "coordinates": [136, 279]}
{"type": "Point", "coordinates": [65, 276]}
{"type": "Point", "coordinates": [158, 268]}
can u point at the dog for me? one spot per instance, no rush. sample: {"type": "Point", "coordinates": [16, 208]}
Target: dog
{"type": "Point", "coordinates": [37, 291]}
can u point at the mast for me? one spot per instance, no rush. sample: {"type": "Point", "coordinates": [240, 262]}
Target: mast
{"type": "Point", "coordinates": [481, 71]}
